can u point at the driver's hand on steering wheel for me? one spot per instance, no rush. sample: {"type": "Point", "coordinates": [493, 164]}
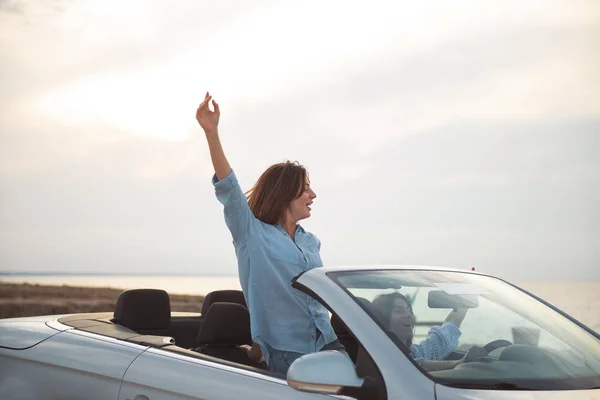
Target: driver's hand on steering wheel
{"type": "Point", "coordinates": [475, 353]}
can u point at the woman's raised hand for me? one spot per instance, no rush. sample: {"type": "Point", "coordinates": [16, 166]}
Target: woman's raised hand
{"type": "Point", "coordinates": [208, 120]}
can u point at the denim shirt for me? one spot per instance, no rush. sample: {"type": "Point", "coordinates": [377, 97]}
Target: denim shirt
{"type": "Point", "coordinates": [281, 317]}
{"type": "Point", "coordinates": [441, 341]}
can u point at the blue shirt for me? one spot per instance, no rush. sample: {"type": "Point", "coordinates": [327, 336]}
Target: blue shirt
{"type": "Point", "coordinates": [282, 317]}
{"type": "Point", "coordinates": [441, 341]}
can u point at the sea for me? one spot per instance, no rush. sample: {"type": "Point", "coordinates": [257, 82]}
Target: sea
{"type": "Point", "coordinates": [579, 299]}
{"type": "Point", "coordinates": [175, 284]}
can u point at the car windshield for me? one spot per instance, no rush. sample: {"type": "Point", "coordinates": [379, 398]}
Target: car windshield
{"type": "Point", "coordinates": [469, 330]}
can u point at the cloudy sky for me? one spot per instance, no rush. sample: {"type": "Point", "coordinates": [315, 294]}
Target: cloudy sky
{"type": "Point", "coordinates": [463, 133]}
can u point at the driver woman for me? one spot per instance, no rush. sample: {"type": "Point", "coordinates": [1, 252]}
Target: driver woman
{"type": "Point", "coordinates": [395, 312]}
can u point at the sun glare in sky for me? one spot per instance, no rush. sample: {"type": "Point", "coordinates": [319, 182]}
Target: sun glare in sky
{"type": "Point", "coordinates": [270, 53]}
{"type": "Point", "coordinates": [141, 103]}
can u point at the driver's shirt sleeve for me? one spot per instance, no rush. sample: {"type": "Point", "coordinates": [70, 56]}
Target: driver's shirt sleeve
{"type": "Point", "coordinates": [441, 341]}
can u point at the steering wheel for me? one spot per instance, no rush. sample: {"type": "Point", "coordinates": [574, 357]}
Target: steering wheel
{"type": "Point", "coordinates": [496, 344]}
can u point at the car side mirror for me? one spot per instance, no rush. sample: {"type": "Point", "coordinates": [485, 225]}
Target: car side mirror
{"type": "Point", "coordinates": [326, 372]}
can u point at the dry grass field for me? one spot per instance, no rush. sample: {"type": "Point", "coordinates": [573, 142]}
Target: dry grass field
{"type": "Point", "coordinates": [23, 300]}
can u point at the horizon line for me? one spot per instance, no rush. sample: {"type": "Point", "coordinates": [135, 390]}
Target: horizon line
{"type": "Point", "coordinates": [92, 273]}
{"type": "Point", "coordinates": [216, 274]}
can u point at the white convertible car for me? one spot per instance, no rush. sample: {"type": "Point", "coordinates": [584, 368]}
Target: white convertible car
{"type": "Point", "coordinates": [144, 351]}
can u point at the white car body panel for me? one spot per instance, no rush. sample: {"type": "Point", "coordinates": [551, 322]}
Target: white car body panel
{"type": "Point", "coordinates": [19, 335]}
{"type": "Point", "coordinates": [158, 374]}
{"type": "Point", "coordinates": [65, 366]}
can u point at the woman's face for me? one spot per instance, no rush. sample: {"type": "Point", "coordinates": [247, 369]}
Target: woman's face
{"type": "Point", "coordinates": [402, 321]}
{"type": "Point", "coordinates": [300, 208]}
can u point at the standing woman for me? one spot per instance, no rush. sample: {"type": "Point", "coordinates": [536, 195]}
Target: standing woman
{"type": "Point", "coordinates": [271, 249]}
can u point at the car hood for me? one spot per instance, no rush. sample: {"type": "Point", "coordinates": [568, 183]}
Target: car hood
{"type": "Point", "coordinates": [448, 393]}
{"type": "Point", "coordinates": [22, 333]}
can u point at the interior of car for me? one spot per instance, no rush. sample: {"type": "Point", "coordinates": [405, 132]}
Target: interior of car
{"type": "Point", "coordinates": [223, 325]}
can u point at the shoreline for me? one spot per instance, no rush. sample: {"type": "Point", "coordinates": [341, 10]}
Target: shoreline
{"type": "Point", "coordinates": [27, 300]}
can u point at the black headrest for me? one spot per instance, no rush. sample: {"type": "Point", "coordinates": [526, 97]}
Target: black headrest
{"type": "Point", "coordinates": [225, 324]}
{"type": "Point", "coordinates": [143, 309]}
{"type": "Point", "coordinates": [226, 296]}
{"type": "Point", "coordinates": [364, 302]}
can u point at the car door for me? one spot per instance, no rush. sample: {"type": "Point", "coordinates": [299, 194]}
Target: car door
{"type": "Point", "coordinates": [162, 374]}
{"type": "Point", "coordinates": [401, 379]}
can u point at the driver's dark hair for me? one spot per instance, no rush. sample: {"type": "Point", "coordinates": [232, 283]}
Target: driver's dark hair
{"type": "Point", "coordinates": [383, 305]}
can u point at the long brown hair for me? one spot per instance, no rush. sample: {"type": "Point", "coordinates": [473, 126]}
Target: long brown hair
{"type": "Point", "coordinates": [275, 189]}
{"type": "Point", "coordinates": [384, 304]}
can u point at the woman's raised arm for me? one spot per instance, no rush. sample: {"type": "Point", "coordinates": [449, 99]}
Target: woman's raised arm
{"type": "Point", "coordinates": [209, 121]}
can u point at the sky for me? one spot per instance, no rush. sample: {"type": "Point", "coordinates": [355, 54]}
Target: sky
{"type": "Point", "coordinates": [455, 134]}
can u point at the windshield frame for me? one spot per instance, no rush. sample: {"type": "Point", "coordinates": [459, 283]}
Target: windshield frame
{"type": "Point", "coordinates": [570, 382]}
